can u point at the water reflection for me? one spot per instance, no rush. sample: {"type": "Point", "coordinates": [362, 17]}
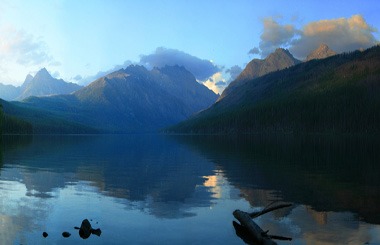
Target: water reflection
{"type": "Point", "coordinates": [184, 189]}
{"type": "Point", "coordinates": [328, 174]}
{"type": "Point", "coordinates": [127, 167]}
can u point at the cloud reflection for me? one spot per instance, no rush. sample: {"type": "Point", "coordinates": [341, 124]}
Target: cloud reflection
{"type": "Point", "coordinates": [151, 173]}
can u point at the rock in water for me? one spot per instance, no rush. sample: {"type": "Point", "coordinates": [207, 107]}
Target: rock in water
{"type": "Point", "coordinates": [97, 232]}
{"type": "Point", "coordinates": [85, 229]}
{"type": "Point", "coordinates": [44, 234]}
{"type": "Point", "coordinates": [66, 234]}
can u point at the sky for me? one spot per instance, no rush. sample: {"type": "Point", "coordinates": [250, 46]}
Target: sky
{"type": "Point", "coordinates": [80, 40]}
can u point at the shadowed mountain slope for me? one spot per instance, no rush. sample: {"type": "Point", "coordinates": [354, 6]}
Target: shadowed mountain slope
{"type": "Point", "coordinates": [336, 94]}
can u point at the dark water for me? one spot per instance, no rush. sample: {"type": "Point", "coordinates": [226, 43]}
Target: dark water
{"type": "Point", "coordinates": [147, 189]}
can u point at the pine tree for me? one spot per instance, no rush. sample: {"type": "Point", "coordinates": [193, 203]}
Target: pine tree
{"type": "Point", "coordinates": [1, 119]}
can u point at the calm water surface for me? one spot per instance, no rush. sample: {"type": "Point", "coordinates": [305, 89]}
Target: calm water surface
{"type": "Point", "coordinates": [152, 189]}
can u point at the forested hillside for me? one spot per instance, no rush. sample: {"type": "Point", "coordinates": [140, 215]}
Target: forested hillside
{"type": "Point", "coordinates": [1, 119]}
{"type": "Point", "coordinates": [21, 120]}
{"type": "Point", "coordinates": [339, 94]}
{"type": "Point", "coordinates": [13, 125]}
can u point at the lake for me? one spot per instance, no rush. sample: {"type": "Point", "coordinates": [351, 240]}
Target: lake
{"type": "Point", "coordinates": [157, 189]}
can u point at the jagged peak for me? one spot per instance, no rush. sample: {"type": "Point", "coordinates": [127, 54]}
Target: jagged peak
{"type": "Point", "coordinates": [323, 46]}
{"type": "Point", "coordinates": [323, 51]}
{"type": "Point", "coordinates": [42, 73]}
{"type": "Point", "coordinates": [171, 68]}
{"type": "Point", "coordinates": [281, 52]}
{"type": "Point", "coordinates": [28, 78]}
{"type": "Point", "coordinates": [135, 68]}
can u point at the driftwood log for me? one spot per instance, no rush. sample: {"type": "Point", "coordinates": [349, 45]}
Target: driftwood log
{"type": "Point", "coordinates": [250, 232]}
{"type": "Point", "coordinates": [256, 233]}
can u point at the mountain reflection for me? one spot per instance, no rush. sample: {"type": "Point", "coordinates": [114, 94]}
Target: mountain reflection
{"type": "Point", "coordinates": [152, 172]}
{"type": "Point", "coordinates": [182, 183]}
{"type": "Point", "coordinates": [326, 173]}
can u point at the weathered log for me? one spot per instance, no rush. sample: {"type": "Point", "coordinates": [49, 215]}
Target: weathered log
{"type": "Point", "coordinates": [282, 238]}
{"type": "Point", "coordinates": [267, 210]}
{"type": "Point", "coordinates": [257, 234]}
{"type": "Point", "coordinates": [243, 233]}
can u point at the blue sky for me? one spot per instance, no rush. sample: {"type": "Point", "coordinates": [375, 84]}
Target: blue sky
{"type": "Point", "coordinates": [75, 40]}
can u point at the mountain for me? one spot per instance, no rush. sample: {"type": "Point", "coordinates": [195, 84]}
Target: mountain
{"type": "Point", "coordinates": [323, 51]}
{"type": "Point", "coordinates": [130, 100]}
{"type": "Point", "coordinates": [9, 92]}
{"type": "Point", "coordinates": [340, 94]}
{"type": "Point", "coordinates": [278, 60]}
{"type": "Point", "coordinates": [43, 84]}
{"type": "Point", "coordinates": [27, 80]}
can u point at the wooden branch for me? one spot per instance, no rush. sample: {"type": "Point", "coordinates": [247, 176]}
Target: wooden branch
{"type": "Point", "coordinates": [257, 234]}
{"type": "Point", "coordinates": [250, 232]}
{"type": "Point", "coordinates": [267, 210]}
{"type": "Point", "coordinates": [283, 238]}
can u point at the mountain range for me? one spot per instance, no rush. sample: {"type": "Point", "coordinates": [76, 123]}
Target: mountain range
{"type": "Point", "coordinates": [326, 93]}
{"type": "Point", "coordinates": [42, 84]}
{"type": "Point", "coordinates": [338, 94]}
{"type": "Point", "coordinates": [126, 101]}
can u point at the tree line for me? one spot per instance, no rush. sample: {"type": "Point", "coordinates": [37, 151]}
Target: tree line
{"type": "Point", "coordinates": [13, 125]}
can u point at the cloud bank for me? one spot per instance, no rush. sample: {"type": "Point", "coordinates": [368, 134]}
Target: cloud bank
{"type": "Point", "coordinates": [341, 35]}
{"type": "Point", "coordinates": [234, 72]}
{"type": "Point", "coordinates": [275, 35]}
{"type": "Point", "coordinates": [202, 69]}
{"type": "Point", "coordinates": [205, 71]}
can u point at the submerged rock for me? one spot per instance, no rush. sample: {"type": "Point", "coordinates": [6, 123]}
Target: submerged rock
{"type": "Point", "coordinates": [97, 232]}
{"type": "Point", "coordinates": [86, 230]}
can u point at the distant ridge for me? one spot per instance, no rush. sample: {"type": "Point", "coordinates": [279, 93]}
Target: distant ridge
{"type": "Point", "coordinates": [43, 84]}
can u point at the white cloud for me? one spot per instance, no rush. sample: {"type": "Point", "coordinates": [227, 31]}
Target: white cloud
{"type": "Point", "coordinates": [275, 35]}
{"type": "Point", "coordinates": [21, 52]}
{"type": "Point", "coordinates": [216, 83]}
{"type": "Point", "coordinates": [22, 47]}
{"type": "Point", "coordinates": [201, 68]}
{"type": "Point", "coordinates": [234, 72]}
{"type": "Point", "coordinates": [341, 35]}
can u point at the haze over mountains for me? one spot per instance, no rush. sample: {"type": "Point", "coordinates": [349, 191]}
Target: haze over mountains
{"type": "Point", "coordinates": [42, 84]}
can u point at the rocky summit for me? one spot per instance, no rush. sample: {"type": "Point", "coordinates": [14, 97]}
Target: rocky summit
{"type": "Point", "coordinates": [323, 51]}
